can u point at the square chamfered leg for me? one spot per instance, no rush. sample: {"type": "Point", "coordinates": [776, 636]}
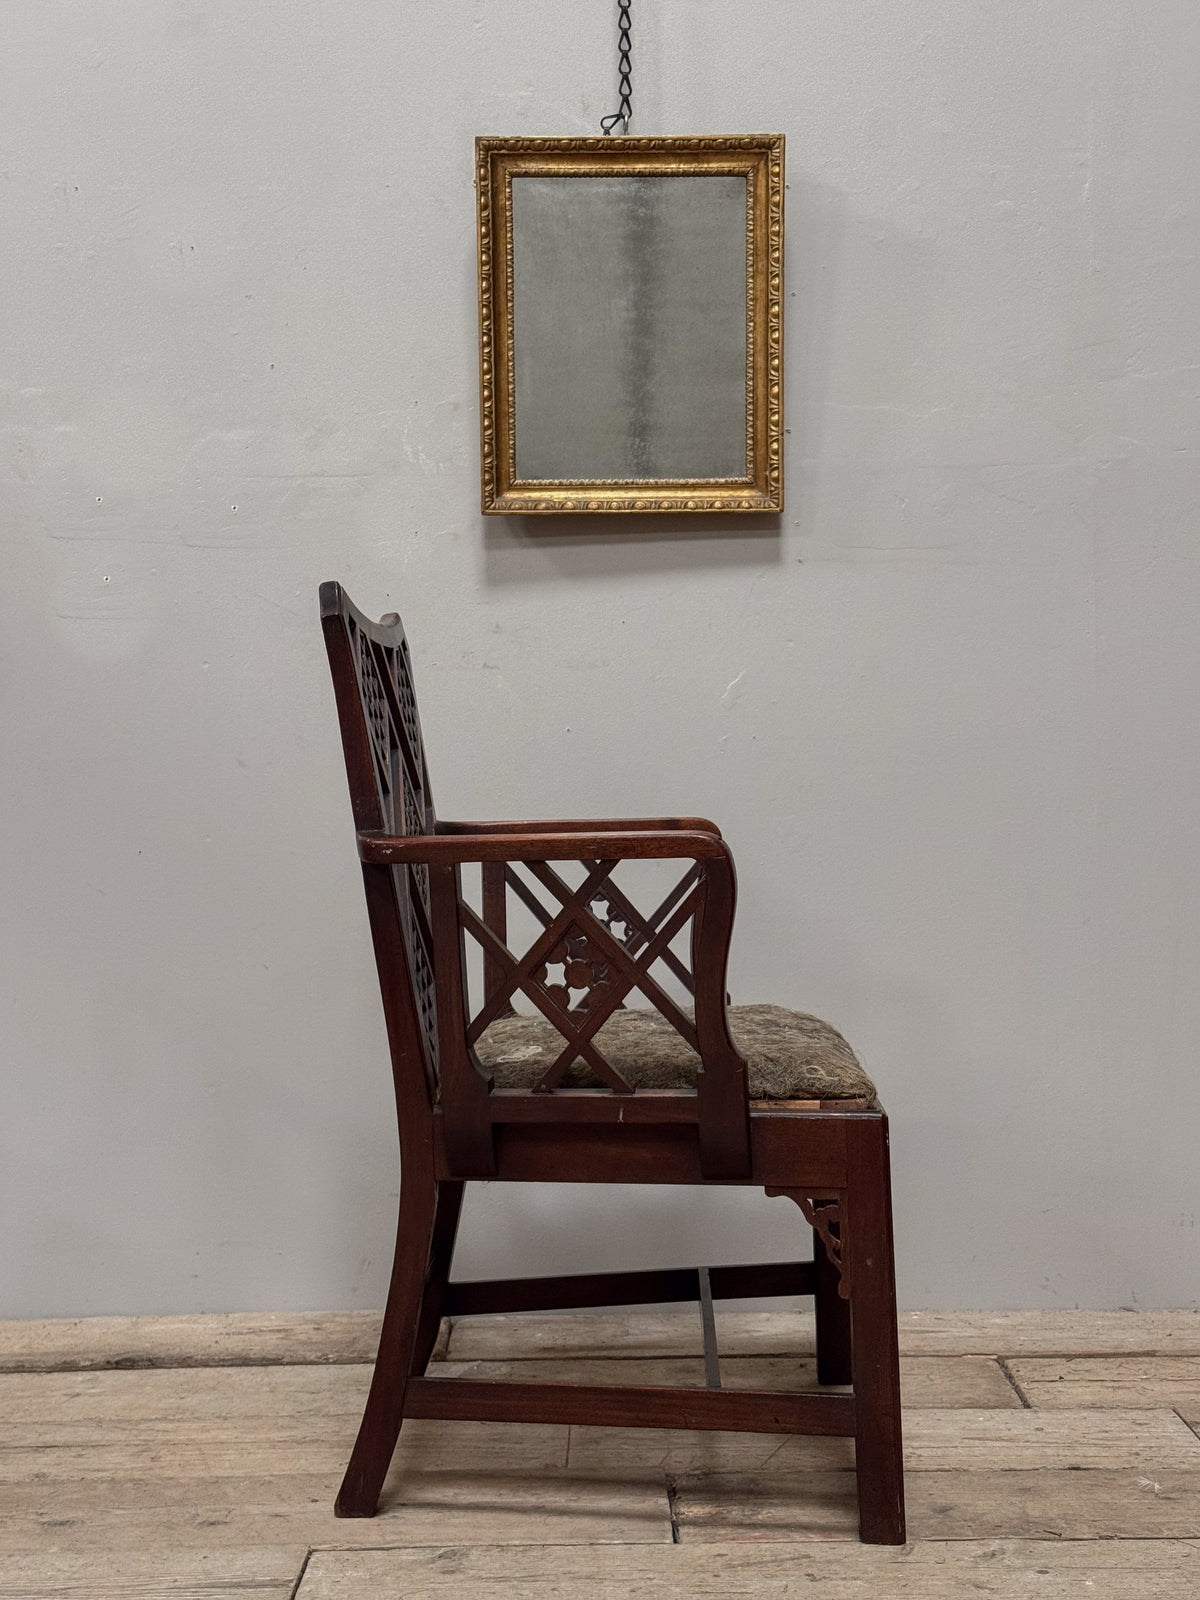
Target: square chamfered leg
{"type": "Point", "coordinates": [834, 1364]}
{"type": "Point", "coordinates": [867, 1256]}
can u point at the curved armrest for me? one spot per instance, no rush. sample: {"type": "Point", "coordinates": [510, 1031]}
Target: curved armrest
{"type": "Point", "coordinates": [383, 849]}
{"type": "Point", "coordinates": [586, 825]}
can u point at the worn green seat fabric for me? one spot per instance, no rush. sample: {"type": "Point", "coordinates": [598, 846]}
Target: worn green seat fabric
{"type": "Point", "coordinates": [790, 1055]}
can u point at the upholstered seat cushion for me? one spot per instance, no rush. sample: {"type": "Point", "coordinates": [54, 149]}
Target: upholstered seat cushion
{"type": "Point", "coordinates": [790, 1055]}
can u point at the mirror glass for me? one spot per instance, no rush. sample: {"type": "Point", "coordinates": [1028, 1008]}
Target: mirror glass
{"type": "Point", "coordinates": [629, 326]}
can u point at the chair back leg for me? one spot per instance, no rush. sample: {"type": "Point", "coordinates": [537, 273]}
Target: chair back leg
{"type": "Point", "coordinates": [398, 1339]}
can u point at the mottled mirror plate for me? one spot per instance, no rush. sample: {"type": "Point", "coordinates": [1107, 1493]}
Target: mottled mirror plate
{"type": "Point", "coordinates": [630, 295]}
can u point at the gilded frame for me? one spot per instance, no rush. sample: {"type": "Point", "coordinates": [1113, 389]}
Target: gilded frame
{"type": "Point", "coordinates": [760, 158]}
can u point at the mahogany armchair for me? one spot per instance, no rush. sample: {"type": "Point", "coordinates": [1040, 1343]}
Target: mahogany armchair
{"type": "Point", "coordinates": [683, 1090]}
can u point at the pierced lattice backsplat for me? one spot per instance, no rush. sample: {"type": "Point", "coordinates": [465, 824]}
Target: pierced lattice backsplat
{"type": "Point", "coordinates": [390, 710]}
{"type": "Point", "coordinates": [594, 949]}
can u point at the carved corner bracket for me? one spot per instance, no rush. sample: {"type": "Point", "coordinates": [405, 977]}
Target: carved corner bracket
{"type": "Point", "coordinates": [825, 1214]}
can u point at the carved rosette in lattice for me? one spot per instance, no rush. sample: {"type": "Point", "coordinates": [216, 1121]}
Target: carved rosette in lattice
{"type": "Point", "coordinates": [576, 965]}
{"type": "Point", "coordinates": [613, 918]}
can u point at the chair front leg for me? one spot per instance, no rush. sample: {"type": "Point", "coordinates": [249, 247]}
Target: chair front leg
{"type": "Point", "coordinates": [380, 1426]}
{"type": "Point", "coordinates": [867, 1258]}
{"type": "Point", "coordinates": [834, 1364]}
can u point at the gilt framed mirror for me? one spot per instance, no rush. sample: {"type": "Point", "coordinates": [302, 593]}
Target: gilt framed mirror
{"type": "Point", "coordinates": [631, 324]}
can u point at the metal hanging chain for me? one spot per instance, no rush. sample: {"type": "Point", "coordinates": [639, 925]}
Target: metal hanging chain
{"type": "Point", "coordinates": [624, 33]}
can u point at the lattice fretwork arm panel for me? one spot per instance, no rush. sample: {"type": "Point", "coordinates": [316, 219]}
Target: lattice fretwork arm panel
{"type": "Point", "coordinates": [590, 950]}
{"type": "Point", "coordinates": [592, 944]}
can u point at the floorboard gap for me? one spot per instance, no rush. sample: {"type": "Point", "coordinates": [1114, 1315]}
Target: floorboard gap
{"type": "Point", "coordinates": [1002, 1363]}
{"type": "Point", "coordinates": [673, 1509]}
{"type": "Point", "coordinates": [300, 1574]}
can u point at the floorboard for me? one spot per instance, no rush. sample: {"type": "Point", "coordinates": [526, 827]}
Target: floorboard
{"type": "Point", "coordinates": [1046, 1455]}
{"type": "Point", "coordinates": [470, 1506]}
{"type": "Point", "coordinates": [253, 1572]}
{"type": "Point", "coordinates": [258, 1339]}
{"type": "Point", "coordinates": [922, 1333]}
{"type": "Point", "coordinates": [1039, 1503]}
{"type": "Point", "coordinates": [1131, 1570]}
{"type": "Point", "coordinates": [1053, 1382]}
{"type": "Point", "coordinates": [247, 1339]}
{"type": "Point", "coordinates": [924, 1380]}
{"type": "Point", "coordinates": [957, 1440]}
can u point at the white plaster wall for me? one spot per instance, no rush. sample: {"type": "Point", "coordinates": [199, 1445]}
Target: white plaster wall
{"type": "Point", "coordinates": [946, 709]}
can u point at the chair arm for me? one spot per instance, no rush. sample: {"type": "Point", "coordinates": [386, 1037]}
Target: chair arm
{"type": "Point", "coordinates": [594, 825]}
{"type": "Point", "coordinates": [383, 849]}
{"type": "Point", "coordinates": [721, 1091]}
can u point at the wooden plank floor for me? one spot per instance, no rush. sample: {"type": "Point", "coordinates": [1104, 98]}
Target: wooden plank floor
{"type": "Point", "coordinates": [198, 1457]}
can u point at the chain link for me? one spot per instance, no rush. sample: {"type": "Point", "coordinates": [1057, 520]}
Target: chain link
{"type": "Point", "coordinates": [624, 33]}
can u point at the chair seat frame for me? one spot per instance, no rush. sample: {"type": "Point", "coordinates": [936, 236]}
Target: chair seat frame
{"type": "Point", "coordinates": [455, 1128]}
